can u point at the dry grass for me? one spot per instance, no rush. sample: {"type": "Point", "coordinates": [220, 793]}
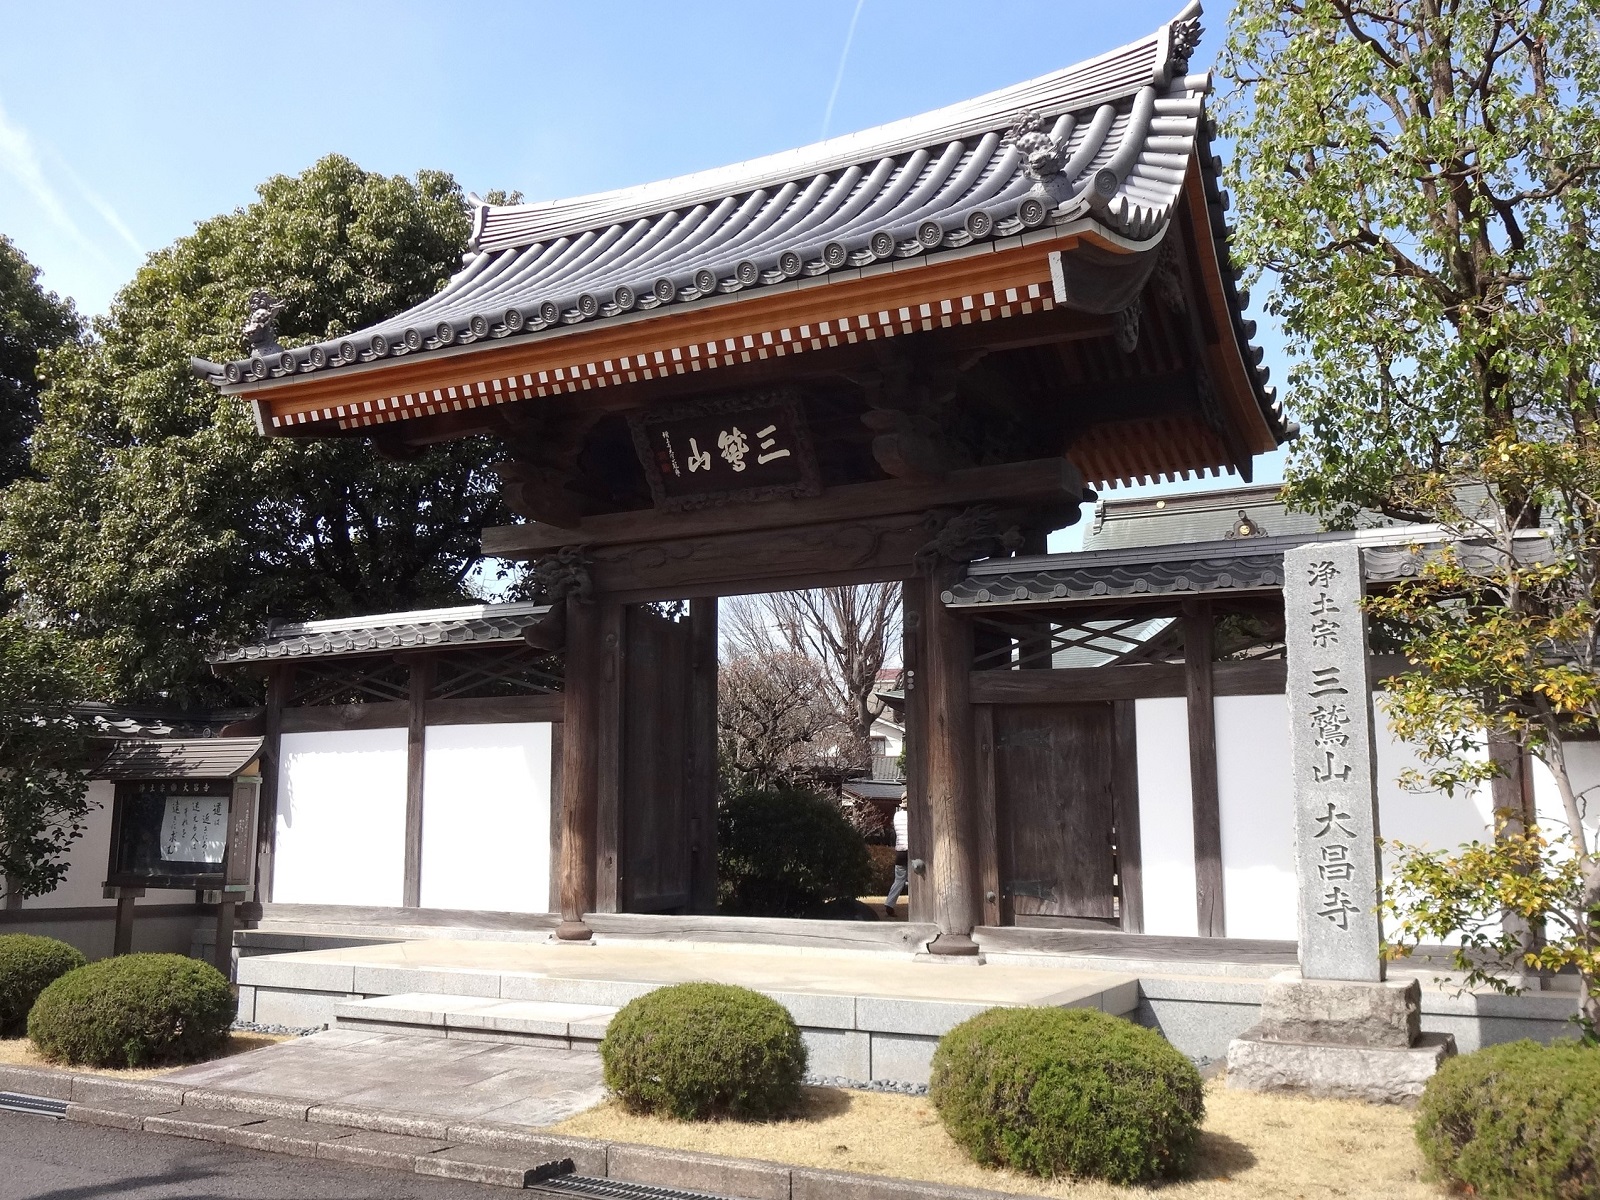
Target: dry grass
{"type": "Point", "coordinates": [1252, 1146]}
{"type": "Point", "coordinates": [20, 1052]}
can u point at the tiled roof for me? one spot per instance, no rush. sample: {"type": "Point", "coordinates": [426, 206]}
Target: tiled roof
{"type": "Point", "coordinates": [194, 758]}
{"type": "Point", "coordinates": [473, 625]}
{"type": "Point", "coordinates": [1210, 568]}
{"type": "Point", "coordinates": [1107, 151]}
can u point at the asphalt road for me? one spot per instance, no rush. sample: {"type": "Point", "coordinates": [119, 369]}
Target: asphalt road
{"type": "Point", "coordinates": [44, 1159]}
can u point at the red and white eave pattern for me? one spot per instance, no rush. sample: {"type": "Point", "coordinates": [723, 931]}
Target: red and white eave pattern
{"type": "Point", "coordinates": [680, 360]}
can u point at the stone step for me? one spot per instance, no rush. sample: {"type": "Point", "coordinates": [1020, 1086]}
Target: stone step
{"type": "Point", "coordinates": [519, 1022]}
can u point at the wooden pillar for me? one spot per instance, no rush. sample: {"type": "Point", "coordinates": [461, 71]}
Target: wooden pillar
{"type": "Point", "coordinates": [416, 737]}
{"type": "Point", "coordinates": [1201, 694]}
{"type": "Point", "coordinates": [1512, 793]}
{"type": "Point", "coordinates": [280, 682]}
{"type": "Point", "coordinates": [222, 952]}
{"type": "Point", "coordinates": [952, 769]}
{"type": "Point", "coordinates": [611, 693]}
{"type": "Point", "coordinates": [988, 816]}
{"type": "Point", "coordinates": [919, 898]}
{"type": "Point", "coordinates": [122, 937]}
{"type": "Point", "coordinates": [557, 800]}
{"type": "Point", "coordinates": [580, 769]}
{"type": "Point", "coordinates": [703, 755]}
{"type": "Point", "coordinates": [1125, 798]}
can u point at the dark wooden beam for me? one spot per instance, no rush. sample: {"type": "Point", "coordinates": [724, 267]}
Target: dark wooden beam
{"type": "Point", "coordinates": [1262, 677]}
{"type": "Point", "coordinates": [416, 738]}
{"type": "Point", "coordinates": [327, 718]}
{"type": "Point", "coordinates": [1198, 637]}
{"type": "Point", "coordinates": [767, 560]}
{"type": "Point", "coordinates": [1125, 799]}
{"type": "Point", "coordinates": [580, 781]}
{"type": "Point", "coordinates": [497, 710]}
{"type": "Point", "coordinates": [951, 769]}
{"type": "Point", "coordinates": [1040, 480]}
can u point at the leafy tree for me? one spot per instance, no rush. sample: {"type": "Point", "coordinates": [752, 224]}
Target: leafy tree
{"type": "Point", "coordinates": [1420, 181]}
{"type": "Point", "coordinates": [32, 321]}
{"type": "Point", "coordinates": [161, 523]}
{"type": "Point", "coordinates": [43, 756]}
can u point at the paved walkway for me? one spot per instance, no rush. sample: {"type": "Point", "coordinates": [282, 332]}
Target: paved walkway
{"type": "Point", "coordinates": [456, 1080]}
{"type": "Point", "coordinates": [764, 968]}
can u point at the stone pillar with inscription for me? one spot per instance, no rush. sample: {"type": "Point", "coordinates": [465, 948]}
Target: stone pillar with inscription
{"type": "Point", "coordinates": [1338, 1026]}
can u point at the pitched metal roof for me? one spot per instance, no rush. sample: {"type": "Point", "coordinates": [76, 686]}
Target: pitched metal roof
{"type": "Point", "coordinates": [1108, 152]}
{"type": "Point", "coordinates": [474, 625]}
{"type": "Point", "coordinates": [189, 758]}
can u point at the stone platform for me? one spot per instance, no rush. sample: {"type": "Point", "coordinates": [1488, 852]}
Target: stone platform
{"type": "Point", "coordinates": [864, 1016]}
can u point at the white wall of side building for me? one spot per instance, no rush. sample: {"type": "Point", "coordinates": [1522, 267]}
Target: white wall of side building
{"type": "Point", "coordinates": [1259, 892]}
{"type": "Point", "coordinates": [486, 817]}
{"type": "Point", "coordinates": [341, 829]}
{"type": "Point", "coordinates": [1166, 817]}
{"type": "Point", "coordinates": [1255, 803]}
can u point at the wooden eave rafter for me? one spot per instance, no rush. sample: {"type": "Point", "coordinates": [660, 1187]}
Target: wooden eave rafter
{"type": "Point", "coordinates": [958, 289]}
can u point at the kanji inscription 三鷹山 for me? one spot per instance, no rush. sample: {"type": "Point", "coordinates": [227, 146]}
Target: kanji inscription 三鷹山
{"type": "Point", "coordinates": [1331, 749]}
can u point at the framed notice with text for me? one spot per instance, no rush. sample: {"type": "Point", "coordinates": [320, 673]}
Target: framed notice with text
{"type": "Point", "coordinates": [726, 450]}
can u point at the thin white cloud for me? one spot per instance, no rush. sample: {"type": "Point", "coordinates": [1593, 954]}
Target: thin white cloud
{"type": "Point", "coordinates": [19, 158]}
{"type": "Point", "coordinates": [100, 205]}
{"type": "Point", "coordinates": [844, 56]}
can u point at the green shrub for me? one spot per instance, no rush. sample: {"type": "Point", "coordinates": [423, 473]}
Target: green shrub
{"type": "Point", "coordinates": [694, 1051]}
{"type": "Point", "coordinates": [1518, 1120]}
{"type": "Point", "coordinates": [1067, 1091]}
{"type": "Point", "coordinates": [28, 965]}
{"type": "Point", "coordinates": [134, 1011]}
{"type": "Point", "coordinates": [786, 853]}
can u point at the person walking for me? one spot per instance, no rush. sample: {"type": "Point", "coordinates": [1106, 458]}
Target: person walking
{"type": "Point", "coordinates": [902, 847]}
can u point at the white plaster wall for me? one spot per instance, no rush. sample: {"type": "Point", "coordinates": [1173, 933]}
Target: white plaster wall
{"type": "Point", "coordinates": [1428, 819]}
{"type": "Point", "coordinates": [486, 817]}
{"type": "Point", "coordinates": [342, 819]}
{"type": "Point", "coordinates": [1166, 817]}
{"type": "Point", "coordinates": [1255, 800]}
{"type": "Point", "coordinates": [87, 860]}
{"type": "Point", "coordinates": [1583, 770]}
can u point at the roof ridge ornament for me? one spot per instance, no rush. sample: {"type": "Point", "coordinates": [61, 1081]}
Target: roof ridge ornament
{"type": "Point", "coordinates": [261, 326]}
{"type": "Point", "coordinates": [1043, 157]}
{"type": "Point", "coordinates": [1186, 34]}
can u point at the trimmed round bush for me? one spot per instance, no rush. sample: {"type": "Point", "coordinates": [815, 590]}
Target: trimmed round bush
{"type": "Point", "coordinates": [28, 965]}
{"type": "Point", "coordinates": [1068, 1091]}
{"type": "Point", "coordinates": [136, 1010]}
{"type": "Point", "coordinates": [786, 852]}
{"type": "Point", "coordinates": [1517, 1120]}
{"type": "Point", "coordinates": [695, 1051]}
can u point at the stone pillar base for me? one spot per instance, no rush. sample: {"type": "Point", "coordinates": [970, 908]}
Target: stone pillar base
{"type": "Point", "coordinates": [1380, 1074]}
{"type": "Point", "coordinates": [1341, 1038]}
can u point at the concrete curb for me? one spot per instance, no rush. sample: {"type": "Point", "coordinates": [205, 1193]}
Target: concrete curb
{"type": "Point", "coordinates": [503, 1155]}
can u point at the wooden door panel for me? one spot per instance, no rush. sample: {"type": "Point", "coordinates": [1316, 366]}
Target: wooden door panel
{"type": "Point", "coordinates": [1053, 785]}
{"type": "Point", "coordinates": [655, 791]}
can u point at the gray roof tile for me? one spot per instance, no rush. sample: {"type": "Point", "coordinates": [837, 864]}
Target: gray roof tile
{"type": "Point", "coordinates": [475, 625]}
{"type": "Point", "coordinates": [192, 758]}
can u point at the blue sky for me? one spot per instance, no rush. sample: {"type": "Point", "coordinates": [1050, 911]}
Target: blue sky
{"type": "Point", "coordinates": [121, 125]}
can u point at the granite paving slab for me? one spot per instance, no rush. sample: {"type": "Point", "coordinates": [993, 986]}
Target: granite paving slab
{"type": "Point", "coordinates": [435, 1077]}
